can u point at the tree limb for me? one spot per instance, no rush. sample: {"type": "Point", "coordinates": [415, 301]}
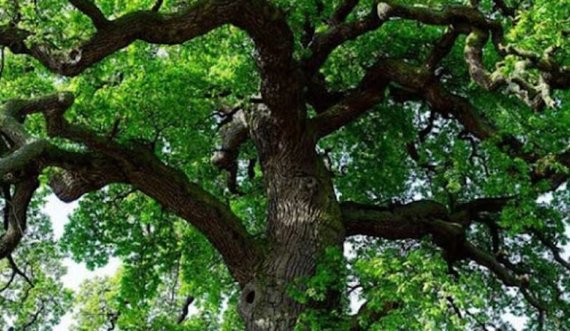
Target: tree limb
{"type": "Point", "coordinates": [325, 42]}
{"type": "Point", "coordinates": [157, 5]}
{"type": "Point", "coordinates": [425, 217]}
{"type": "Point", "coordinates": [422, 218]}
{"type": "Point", "coordinates": [555, 250]}
{"type": "Point", "coordinates": [7, 285]}
{"type": "Point", "coordinates": [448, 15]}
{"type": "Point", "coordinates": [264, 23]}
{"type": "Point", "coordinates": [35, 317]}
{"type": "Point", "coordinates": [133, 164]}
{"type": "Point", "coordinates": [442, 48]}
{"type": "Point", "coordinates": [369, 93]}
{"type": "Point", "coordinates": [461, 20]}
{"type": "Point", "coordinates": [504, 8]}
{"type": "Point", "coordinates": [18, 206]}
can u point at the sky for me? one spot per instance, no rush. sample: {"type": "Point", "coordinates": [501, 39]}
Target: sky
{"type": "Point", "coordinates": [76, 272]}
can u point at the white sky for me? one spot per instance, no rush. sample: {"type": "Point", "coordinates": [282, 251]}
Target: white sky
{"type": "Point", "coordinates": [76, 272]}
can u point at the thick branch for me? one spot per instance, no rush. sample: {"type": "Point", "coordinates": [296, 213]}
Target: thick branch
{"type": "Point", "coordinates": [419, 84]}
{"type": "Point", "coordinates": [136, 165]}
{"type": "Point", "coordinates": [369, 93]}
{"type": "Point", "coordinates": [449, 15]}
{"type": "Point", "coordinates": [488, 261]}
{"type": "Point", "coordinates": [110, 162]}
{"type": "Point", "coordinates": [504, 8]}
{"type": "Point", "coordinates": [319, 97]}
{"type": "Point", "coordinates": [22, 154]}
{"type": "Point", "coordinates": [261, 20]}
{"type": "Point", "coordinates": [35, 316]}
{"type": "Point", "coordinates": [20, 108]}
{"type": "Point", "coordinates": [468, 211]}
{"type": "Point", "coordinates": [555, 75]}
{"type": "Point", "coordinates": [19, 271]}
{"type": "Point", "coordinates": [442, 48]}
{"type": "Point", "coordinates": [157, 5]}
{"type": "Point", "coordinates": [82, 171]}
{"type": "Point", "coordinates": [325, 42]}
{"type": "Point", "coordinates": [7, 285]}
{"type": "Point", "coordinates": [149, 26]}
{"type": "Point", "coordinates": [392, 222]}
{"type": "Point", "coordinates": [265, 24]}
{"type": "Point", "coordinates": [422, 218]}
{"type": "Point", "coordinates": [18, 206]}
{"type": "Point", "coordinates": [535, 97]}
{"type": "Point", "coordinates": [417, 79]}
{"type": "Point", "coordinates": [462, 20]}
{"type": "Point", "coordinates": [555, 250]}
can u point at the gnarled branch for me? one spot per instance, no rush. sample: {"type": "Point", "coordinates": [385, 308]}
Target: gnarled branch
{"type": "Point", "coordinates": [108, 162]}
{"type": "Point", "coordinates": [448, 231]}
{"type": "Point", "coordinates": [17, 208]}
{"type": "Point", "coordinates": [140, 168]}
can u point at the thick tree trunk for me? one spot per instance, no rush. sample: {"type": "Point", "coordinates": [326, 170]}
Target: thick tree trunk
{"type": "Point", "coordinates": [303, 220]}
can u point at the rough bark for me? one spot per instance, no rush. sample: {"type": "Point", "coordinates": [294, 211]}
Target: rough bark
{"type": "Point", "coordinates": [304, 220]}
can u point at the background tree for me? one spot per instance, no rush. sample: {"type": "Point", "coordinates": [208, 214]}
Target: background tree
{"type": "Point", "coordinates": [276, 160]}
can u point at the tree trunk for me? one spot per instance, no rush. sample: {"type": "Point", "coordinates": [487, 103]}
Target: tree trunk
{"type": "Point", "coordinates": [303, 220]}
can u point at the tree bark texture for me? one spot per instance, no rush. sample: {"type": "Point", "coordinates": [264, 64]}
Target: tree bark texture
{"type": "Point", "coordinates": [304, 219]}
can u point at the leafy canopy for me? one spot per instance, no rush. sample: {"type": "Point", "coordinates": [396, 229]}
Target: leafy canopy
{"type": "Point", "coordinates": [167, 95]}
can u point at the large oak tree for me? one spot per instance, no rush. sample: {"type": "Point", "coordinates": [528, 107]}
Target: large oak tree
{"type": "Point", "coordinates": [281, 164]}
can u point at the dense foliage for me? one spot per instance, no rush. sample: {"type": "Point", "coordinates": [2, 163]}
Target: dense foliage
{"type": "Point", "coordinates": [175, 100]}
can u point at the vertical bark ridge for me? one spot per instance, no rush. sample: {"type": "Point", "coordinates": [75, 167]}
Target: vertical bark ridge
{"type": "Point", "coordinates": [303, 220]}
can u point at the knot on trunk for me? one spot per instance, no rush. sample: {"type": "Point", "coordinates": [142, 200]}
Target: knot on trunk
{"type": "Point", "coordinates": [250, 295]}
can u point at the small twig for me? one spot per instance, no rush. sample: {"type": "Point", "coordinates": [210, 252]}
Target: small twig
{"type": "Point", "coordinates": [18, 271]}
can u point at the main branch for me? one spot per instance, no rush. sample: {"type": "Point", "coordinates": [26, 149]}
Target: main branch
{"type": "Point", "coordinates": [429, 218]}
{"type": "Point", "coordinates": [109, 162]}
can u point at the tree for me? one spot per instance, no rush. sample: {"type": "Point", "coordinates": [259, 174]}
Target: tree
{"type": "Point", "coordinates": [413, 156]}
